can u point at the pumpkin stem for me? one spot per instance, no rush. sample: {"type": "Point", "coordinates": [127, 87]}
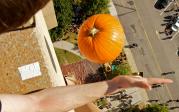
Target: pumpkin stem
{"type": "Point", "coordinates": [93, 31]}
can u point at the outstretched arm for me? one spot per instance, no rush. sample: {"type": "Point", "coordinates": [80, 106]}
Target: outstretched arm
{"type": "Point", "coordinates": [63, 99]}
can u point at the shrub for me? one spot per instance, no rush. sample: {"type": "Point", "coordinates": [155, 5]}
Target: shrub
{"type": "Point", "coordinates": [91, 7]}
{"type": "Point", "coordinates": [64, 13]}
{"type": "Point", "coordinates": [122, 69]}
{"type": "Point", "coordinates": [155, 108]}
{"type": "Point", "coordinates": [148, 108]}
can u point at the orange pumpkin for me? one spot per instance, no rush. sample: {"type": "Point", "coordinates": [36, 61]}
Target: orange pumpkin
{"type": "Point", "coordinates": [101, 38]}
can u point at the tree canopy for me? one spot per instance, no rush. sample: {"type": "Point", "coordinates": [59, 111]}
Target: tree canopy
{"type": "Point", "coordinates": [91, 7]}
{"type": "Point", "coordinates": [64, 13]}
{"type": "Point", "coordinates": [148, 108]}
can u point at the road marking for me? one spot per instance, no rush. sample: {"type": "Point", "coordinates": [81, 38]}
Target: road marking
{"type": "Point", "coordinates": [166, 8]}
{"type": "Point", "coordinates": [174, 35]}
{"type": "Point", "coordinates": [158, 35]}
{"type": "Point", "coordinates": [151, 49]}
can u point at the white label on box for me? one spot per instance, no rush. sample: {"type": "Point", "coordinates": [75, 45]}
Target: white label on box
{"type": "Point", "coordinates": [30, 71]}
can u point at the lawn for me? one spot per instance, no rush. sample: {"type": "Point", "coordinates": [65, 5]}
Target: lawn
{"type": "Point", "coordinates": [65, 57]}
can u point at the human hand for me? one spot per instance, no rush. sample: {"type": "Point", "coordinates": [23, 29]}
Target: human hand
{"type": "Point", "coordinates": [137, 81]}
{"type": "Point", "coordinates": [134, 81]}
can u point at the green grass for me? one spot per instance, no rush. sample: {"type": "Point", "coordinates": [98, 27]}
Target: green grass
{"type": "Point", "coordinates": [65, 57]}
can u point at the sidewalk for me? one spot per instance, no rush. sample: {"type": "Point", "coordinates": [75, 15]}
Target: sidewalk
{"type": "Point", "coordinates": [139, 95]}
{"type": "Point", "coordinates": [67, 46]}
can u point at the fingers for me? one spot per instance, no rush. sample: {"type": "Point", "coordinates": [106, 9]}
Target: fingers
{"type": "Point", "coordinates": [147, 82]}
{"type": "Point", "coordinates": [137, 77]}
{"type": "Point", "coordinates": [138, 81]}
{"type": "Point", "coordinates": [158, 81]}
{"type": "Point", "coordinates": [142, 84]}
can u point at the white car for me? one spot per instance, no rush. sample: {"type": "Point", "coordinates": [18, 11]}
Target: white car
{"type": "Point", "coordinates": [175, 27]}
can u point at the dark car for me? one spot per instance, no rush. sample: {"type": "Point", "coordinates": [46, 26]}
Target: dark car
{"type": "Point", "coordinates": [160, 4]}
{"type": "Point", "coordinates": [177, 52]}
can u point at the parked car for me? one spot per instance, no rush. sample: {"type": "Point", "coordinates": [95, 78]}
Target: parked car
{"type": "Point", "coordinates": [177, 52]}
{"type": "Point", "coordinates": [175, 26]}
{"type": "Point", "coordinates": [160, 4]}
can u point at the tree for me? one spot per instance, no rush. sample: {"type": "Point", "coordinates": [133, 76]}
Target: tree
{"type": "Point", "coordinates": [148, 108]}
{"type": "Point", "coordinates": [155, 108]}
{"type": "Point", "coordinates": [122, 69]}
{"type": "Point", "coordinates": [92, 7]}
{"type": "Point", "coordinates": [64, 13]}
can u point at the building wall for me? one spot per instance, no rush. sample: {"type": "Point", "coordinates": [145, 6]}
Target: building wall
{"type": "Point", "coordinates": [49, 15]}
{"type": "Point", "coordinates": [19, 48]}
{"type": "Point", "coordinates": [48, 51]}
{"type": "Point", "coordinates": [49, 55]}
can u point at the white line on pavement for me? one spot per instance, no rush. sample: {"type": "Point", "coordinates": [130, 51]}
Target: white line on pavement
{"type": "Point", "coordinates": [174, 35]}
{"type": "Point", "coordinates": [166, 8]}
{"type": "Point", "coordinates": [157, 34]}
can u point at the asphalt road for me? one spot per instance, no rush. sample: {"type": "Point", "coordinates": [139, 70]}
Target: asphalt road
{"type": "Point", "coordinates": [153, 56]}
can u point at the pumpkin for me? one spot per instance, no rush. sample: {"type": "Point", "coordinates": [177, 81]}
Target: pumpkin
{"type": "Point", "coordinates": [101, 38]}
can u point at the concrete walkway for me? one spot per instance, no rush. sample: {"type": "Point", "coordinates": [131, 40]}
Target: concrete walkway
{"type": "Point", "coordinates": [139, 95]}
{"type": "Point", "coordinates": [67, 46]}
